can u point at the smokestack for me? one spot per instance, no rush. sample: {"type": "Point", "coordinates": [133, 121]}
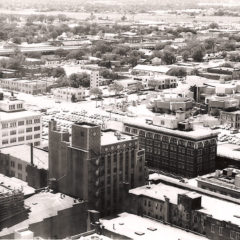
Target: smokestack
{"type": "Point", "coordinates": [31, 146]}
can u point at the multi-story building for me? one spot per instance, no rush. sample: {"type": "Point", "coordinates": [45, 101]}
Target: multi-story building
{"type": "Point", "coordinates": [225, 182]}
{"type": "Point", "coordinates": [96, 166]}
{"type": "Point", "coordinates": [26, 86]}
{"type": "Point", "coordinates": [204, 214]}
{"type": "Point", "coordinates": [186, 153]}
{"type": "Point", "coordinates": [18, 126]}
{"type": "Point", "coordinates": [230, 118]}
{"type": "Point", "coordinates": [69, 93]}
{"type": "Point", "coordinates": [94, 79]}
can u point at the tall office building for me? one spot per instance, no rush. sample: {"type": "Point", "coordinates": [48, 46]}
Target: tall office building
{"type": "Point", "coordinates": [96, 166]}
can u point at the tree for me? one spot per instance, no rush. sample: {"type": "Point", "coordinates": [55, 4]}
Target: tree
{"type": "Point", "coordinates": [209, 44]}
{"type": "Point", "coordinates": [116, 88]}
{"type": "Point", "coordinates": [75, 54]}
{"type": "Point", "coordinates": [177, 72]}
{"type": "Point", "coordinates": [168, 57]}
{"type": "Point", "coordinates": [79, 79]}
{"type": "Point", "coordinates": [58, 72]}
{"type": "Point", "coordinates": [97, 92]}
{"type": "Point", "coordinates": [185, 55]}
{"type": "Point", "coordinates": [198, 54]}
{"type": "Point", "coordinates": [61, 52]}
{"type": "Point", "coordinates": [213, 25]}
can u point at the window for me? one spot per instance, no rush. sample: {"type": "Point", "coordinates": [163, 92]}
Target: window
{"type": "Point", "coordinates": [37, 128]}
{"type": "Point", "coordinates": [37, 144]}
{"type": "Point", "coordinates": [4, 142]}
{"type": "Point", "coordinates": [21, 131]}
{"type": "Point", "coordinates": [19, 175]}
{"type": "Point", "coordinates": [212, 228]}
{"type": "Point", "coordinates": [20, 123]}
{"type": "Point", "coordinates": [4, 125]}
{"type": "Point", "coordinates": [12, 164]}
{"type": "Point", "coordinates": [13, 124]}
{"type": "Point", "coordinates": [29, 137]}
{"type": "Point", "coordinates": [37, 120]}
{"type": "Point", "coordinates": [4, 134]}
{"type": "Point", "coordinates": [12, 173]}
{"type": "Point", "coordinates": [20, 139]}
{"type": "Point", "coordinates": [29, 129]}
{"type": "Point", "coordinates": [220, 231]}
{"type": "Point", "coordinates": [232, 235]}
{"type": "Point", "coordinates": [37, 136]}
{"type": "Point", "coordinates": [29, 122]}
{"type": "Point", "coordinates": [13, 132]}
{"type": "Point", "coordinates": [13, 140]}
{"type": "Point", "coordinates": [19, 166]}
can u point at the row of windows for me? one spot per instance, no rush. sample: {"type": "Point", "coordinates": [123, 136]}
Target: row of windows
{"type": "Point", "coordinates": [20, 139]}
{"type": "Point", "coordinates": [14, 132]}
{"type": "Point", "coordinates": [20, 123]}
{"type": "Point", "coordinates": [163, 138]}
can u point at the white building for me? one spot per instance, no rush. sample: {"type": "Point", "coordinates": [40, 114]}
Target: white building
{"type": "Point", "coordinates": [17, 125]}
{"type": "Point", "coordinates": [69, 93]}
{"type": "Point", "coordinates": [26, 86]}
{"type": "Point", "coordinates": [94, 79]}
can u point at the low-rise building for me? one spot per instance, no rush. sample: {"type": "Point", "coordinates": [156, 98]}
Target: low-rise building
{"type": "Point", "coordinates": [151, 70]}
{"type": "Point", "coordinates": [69, 93]}
{"type": "Point", "coordinates": [204, 214]}
{"type": "Point", "coordinates": [30, 166]}
{"type": "Point", "coordinates": [225, 103]}
{"type": "Point", "coordinates": [226, 181]}
{"type": "Point", "coordinates": [26, 86]}
{"type": "Point", "coordinates": [122, 227]}
{"type": "Point", "coordinates": [230, 118]}
{"type": "Point", "coordinates": [47, 215]}
{"type": "Point", "coordinates": [172, 104]}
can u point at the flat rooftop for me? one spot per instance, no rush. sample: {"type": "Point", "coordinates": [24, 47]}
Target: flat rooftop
{"type": "Point", "coordinates": [124, 225]}
{"type": "Point", "coordinates": [8, 116]}
{"type": "Point", "coordinates": [229, 150]}
{"type": "Point", "coordinates": [40, 157]}
{"type": "Point", "coordinates": [42, 205]}
{"type": "Point", "coordinates": [109, 137]}
{"type": "Point", "coordinates": [196, 134]}
{"type": "Point", "coordinates": [8, 184]}
{"type": "Point", "coordinates": [210, 205]}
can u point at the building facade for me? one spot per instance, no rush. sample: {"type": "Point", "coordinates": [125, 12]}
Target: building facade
{"type": "Point", "coordinates": [187, 154]}
{"type": "Point", "coordinates": [69, 94]}
{"type": "Point", "coordinates": [30, 166]}
{"type": "Point", "coordinates": [26, 86]}
{"type": "Point", "coordinates": [94, 79]}
{"type": "Point", "coordinates": [17, 125]}
{"type": "Point", "coordinates": [226, 182]}
{"type": "Point", "coordinates": [230, 118]}
{"type": "Point", "coordinates": [97, 166]}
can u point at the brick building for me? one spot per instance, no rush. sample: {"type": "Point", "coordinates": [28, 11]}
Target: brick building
{"type": "Point", "coordinates": [97, 166]}
{"type": "Point", "coordinates": [185, 153]}
{"type": "Point", "coordinates": [211, 217]}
